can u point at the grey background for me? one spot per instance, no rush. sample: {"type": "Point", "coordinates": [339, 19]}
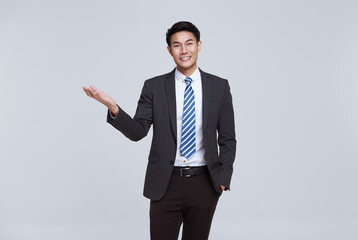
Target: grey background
{"type": "Point", "coordinates": [292, 65]}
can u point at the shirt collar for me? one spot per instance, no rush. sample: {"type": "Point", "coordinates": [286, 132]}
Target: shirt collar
{"type": "Point", "coordinates": [181, 77]}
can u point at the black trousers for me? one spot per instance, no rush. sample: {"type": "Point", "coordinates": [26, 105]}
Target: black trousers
{"type": "Point", "coordinates": [189, 201]}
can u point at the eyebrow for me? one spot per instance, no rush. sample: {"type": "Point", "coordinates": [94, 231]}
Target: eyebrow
{"type": "Point", "coordinates": [176, 42]}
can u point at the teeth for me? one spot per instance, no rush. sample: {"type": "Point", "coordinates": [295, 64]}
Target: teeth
{"type": "Point", "coordinates": [186, 58]}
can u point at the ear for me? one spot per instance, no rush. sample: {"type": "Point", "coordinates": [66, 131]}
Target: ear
{"type": "Point", "coordinates": [169, 50]}
{"type": "Point", "coordinates": [199, 46]}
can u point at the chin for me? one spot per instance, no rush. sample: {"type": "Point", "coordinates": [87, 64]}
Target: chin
{"type": "Point", "coordinates": [187, 65]}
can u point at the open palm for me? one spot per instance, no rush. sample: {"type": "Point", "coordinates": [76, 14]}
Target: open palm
{"type": "Point", "coordinates": [101, 97]}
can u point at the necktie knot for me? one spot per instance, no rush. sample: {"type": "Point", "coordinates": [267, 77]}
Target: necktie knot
{"type": "Point", "coordinates": [188, 80]}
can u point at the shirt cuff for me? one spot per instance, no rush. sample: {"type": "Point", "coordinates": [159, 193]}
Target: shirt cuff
{"type": "Point", "coordinates": [111, 116]}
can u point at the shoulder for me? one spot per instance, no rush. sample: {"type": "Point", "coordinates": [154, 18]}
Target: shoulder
{"type": "Point", "coordinates": [160, 78]}
{"type": "Point", "coordinates": [213, 80]}
{"type": "Point", "coordinates": [213, 77]}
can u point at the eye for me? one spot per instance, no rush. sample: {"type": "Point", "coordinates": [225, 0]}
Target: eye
{"type": "Point", "coordinates": [176, 45]}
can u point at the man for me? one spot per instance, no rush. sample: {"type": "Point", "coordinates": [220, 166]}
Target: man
{"type": "Point", "coordinates": [192, 115]}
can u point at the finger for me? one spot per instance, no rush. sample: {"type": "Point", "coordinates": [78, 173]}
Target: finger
{"type": "Point", "coordinates": [91, 93]}
{"type": "Point", "coordinates": [94, 93]}
{"type": "Point", "coordinates": [97, 91]}
{"type": "Point", "coordinates": [94, 89]}
{"type": "Point", "coordinates": [87, 91]}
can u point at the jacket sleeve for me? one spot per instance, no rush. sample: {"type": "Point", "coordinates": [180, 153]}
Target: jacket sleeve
{"type": "Point", "coordinates": [137, 127]}
{"type": "Point", "coordinates": [226, 138]}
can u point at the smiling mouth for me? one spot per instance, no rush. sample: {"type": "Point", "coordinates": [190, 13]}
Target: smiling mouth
{"type": "Point", "coordinates": [184, 59]}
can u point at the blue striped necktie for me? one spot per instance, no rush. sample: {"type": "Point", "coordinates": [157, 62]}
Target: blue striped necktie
{"type": "Point", "coordinates": [188, 144]}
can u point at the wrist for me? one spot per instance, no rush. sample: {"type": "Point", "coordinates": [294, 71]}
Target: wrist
{"type": "Point", "coordinates": [114, 110]}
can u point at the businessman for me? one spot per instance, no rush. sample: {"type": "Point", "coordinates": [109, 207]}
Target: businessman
{"type": "Point", "coordinates": [191, 158]}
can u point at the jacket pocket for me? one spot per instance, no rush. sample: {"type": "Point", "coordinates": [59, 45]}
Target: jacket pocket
{"type": "Point", "coordinates": [153, 157]}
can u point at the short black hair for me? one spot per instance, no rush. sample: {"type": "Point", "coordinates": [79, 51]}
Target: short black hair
{"type": "Point", "coordinates": [182, 26]}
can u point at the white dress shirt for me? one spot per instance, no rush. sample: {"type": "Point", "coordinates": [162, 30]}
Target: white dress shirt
{"type": "Point", "coordinates": [197, 159]}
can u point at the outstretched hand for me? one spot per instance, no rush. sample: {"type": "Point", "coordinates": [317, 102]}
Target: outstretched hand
{"type": "Point", "coordinates": [103, 98]}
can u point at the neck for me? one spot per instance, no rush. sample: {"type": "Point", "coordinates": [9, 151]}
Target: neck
{"type": "Point", "coordinates": [187, 71]}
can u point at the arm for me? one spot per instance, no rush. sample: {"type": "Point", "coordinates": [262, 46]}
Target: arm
{"type": "Point", "coordinates": [134, 128]}
{"type": "Point", "coordinates": [226, 139]}
{"type": "Point", "coordinates": [137, 127]}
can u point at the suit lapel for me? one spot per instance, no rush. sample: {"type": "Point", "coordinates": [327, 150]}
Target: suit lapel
{"type": "Point", "coordinates": [206, 88]}
{"type": "Point", "coordinates": [170, 90]}
{"type": "Point", "coordinates": [171, 98]}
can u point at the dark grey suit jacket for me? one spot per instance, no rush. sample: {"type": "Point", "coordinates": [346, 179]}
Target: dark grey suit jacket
{"type": "Point", "coordinates": [157, 106]}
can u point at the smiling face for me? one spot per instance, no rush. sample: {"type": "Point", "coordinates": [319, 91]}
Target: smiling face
{"type": "Point", "coordinates": [184, 49]}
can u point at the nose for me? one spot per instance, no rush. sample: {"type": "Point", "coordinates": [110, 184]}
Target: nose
{"type": "Point", "coordinates": [183, 50]}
